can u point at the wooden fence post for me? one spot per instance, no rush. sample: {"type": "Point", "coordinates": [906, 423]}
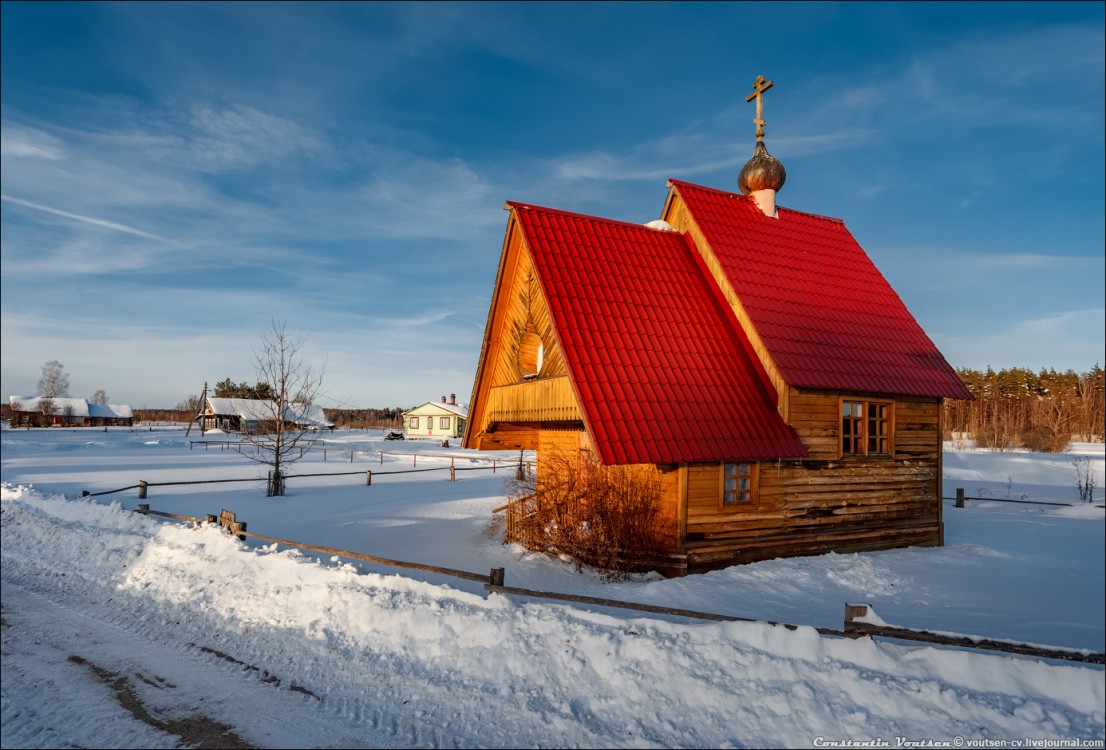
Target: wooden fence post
{"type": "Point", "coordinates": [368, 477]}
{"type": "Point", "coordinates": [452, 473]}
{"type": "Point", "coordinates": [853, 611]}
{"type": "Point", "coordinates": [142, 489]}
{"type": "Point", "coordinates": [496, 577]}
{"type": "Point", "coordinates": [959, 497]}
{"type": "Point", "coordinates": [143, 508]}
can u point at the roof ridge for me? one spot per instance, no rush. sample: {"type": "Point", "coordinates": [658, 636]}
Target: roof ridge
{"type": "Point", "coordinates": [575, 215]}
{"type": "Point", "coordinates": [741, 196]}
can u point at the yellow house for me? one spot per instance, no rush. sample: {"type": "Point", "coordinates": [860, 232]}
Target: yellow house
{"type": "Point", "coordinates": [434, 419]}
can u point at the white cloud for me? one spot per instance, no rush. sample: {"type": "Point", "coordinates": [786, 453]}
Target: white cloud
{"type": "Point", "coordinates": [1072, 339]}
{"type": "Point", "coordinates": [242, 137]}
{"type": "Point", "coordinates": [421, 197]}
{"type": "Point", "coordinates": [22, 142]}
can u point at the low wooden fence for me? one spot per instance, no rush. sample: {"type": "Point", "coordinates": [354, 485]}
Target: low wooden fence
{"type": "Point", "coordinates": [341, 453]}
{"type": "Point", "coordinates": [855, 625]}
{"type": "Point", "coordinates": [143, 485]}
{"type": "Point", "coordinates": [958, 501]}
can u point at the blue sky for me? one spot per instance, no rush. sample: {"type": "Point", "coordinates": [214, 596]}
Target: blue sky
{"type": "Point", "coordinates": [175, 176]}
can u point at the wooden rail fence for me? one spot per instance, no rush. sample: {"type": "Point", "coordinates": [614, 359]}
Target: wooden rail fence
{"type": "Point", "coordinates": [855, 625]}
{"type": "Point", "coordinates": [234, 445]}
{"type": "Point", "coordinates": [143, 485]}
{"type": "Point", "coordinates": [958, 501]}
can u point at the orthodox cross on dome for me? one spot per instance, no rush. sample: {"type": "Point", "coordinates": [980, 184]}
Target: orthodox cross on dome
{"type": "Point", "coordinates": [759, 87]}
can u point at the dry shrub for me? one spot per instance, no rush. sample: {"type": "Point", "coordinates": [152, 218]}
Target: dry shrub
{"type": "Point", "coordinates": [1041, 439]}
{"type": "Point", "coordinates": [604, 517]}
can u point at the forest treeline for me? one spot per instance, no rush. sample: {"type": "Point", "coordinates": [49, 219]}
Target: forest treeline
{"type": "Point", "coordinates": [1020, 408]}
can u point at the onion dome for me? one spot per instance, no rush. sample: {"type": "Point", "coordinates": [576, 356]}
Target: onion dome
{"type": "Point", "coordinates": [762, 172]}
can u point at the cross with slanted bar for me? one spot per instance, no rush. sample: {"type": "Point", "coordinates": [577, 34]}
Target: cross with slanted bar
{"type": "Point", "coordinates": [759, 87]}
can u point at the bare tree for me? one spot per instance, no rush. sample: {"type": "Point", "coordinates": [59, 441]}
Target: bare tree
{"type": "Point", "coordinates": [19, 417]}
{"type": "Point", "coordinates": [68, 413]}
{"type": "Point", "coordinates": [54, 382]}
{"type": "Point", "coordinates": [49, 409]}
{"type": "Point", "coordinates": [99, 397]}
{"type": "Point", "coordinates": [285, 428]}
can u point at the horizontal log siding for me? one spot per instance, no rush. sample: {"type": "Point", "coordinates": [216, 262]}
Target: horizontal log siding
{"type": "Point", "coordinates": [825, 503]}
{"type": "Point", "coordinates": [541, 400]}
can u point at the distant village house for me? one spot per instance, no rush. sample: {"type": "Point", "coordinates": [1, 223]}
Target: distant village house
{"type": "Point", "coordinates": [252, 415]}
{"type": "Point", "coordinates": [37, 411]}
{"type": "Point", "coordinates": [444, 419]}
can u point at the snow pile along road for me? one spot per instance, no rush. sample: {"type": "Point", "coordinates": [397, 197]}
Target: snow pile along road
{"type": "Point", "coordinates": [288, 651]}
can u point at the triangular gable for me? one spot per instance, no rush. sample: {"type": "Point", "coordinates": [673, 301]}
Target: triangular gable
{"type": "Point", "coordinates": [662, 372]}
{"type": "Point", "coordinates": [825, 314]}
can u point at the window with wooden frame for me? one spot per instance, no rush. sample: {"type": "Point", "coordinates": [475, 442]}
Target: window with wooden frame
{"type": "Point", "coordinates": [866, 427]}
{"type": "Point", "coordinates": [443, 423]}
{"type": "Point", "coordinates": [414, 423]}
{"type": "Point", "coordinates": [739, 486]}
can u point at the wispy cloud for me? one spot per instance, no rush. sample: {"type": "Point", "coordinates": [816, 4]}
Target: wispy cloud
{"type": "Point", "coordinates": [1074, 336]}
{"type": "Point", "coordinates": [21, 142]}
{"type": "Point", "coordinates": [241, 137]}
{"type": "Point", "coordinates": [420, 197]}
{"type": "Point", "coordinates": [115, 226]}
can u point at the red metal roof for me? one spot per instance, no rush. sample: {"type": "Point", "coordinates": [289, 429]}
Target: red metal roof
{"type": "Point", "coordinates": [661, 368]}
{"type": "Point", "coordinates": [826, 314]}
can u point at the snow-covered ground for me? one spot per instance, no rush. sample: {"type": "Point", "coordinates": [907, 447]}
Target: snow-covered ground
{"type": "Point", "coordinates": [123, 630]}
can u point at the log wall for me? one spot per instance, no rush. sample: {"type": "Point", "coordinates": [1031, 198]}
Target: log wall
{"type": "Point", "coordinates": [826, 502]}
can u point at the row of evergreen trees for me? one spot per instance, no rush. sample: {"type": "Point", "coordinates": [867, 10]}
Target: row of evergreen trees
{"type": "Point", "coordinates": [1020, 408]}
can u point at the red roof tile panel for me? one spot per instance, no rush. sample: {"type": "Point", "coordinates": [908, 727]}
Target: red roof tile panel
{"type": "Point", "coordinates": [826, 314]}
{"type": "Point", "coordinates": [662, 370]}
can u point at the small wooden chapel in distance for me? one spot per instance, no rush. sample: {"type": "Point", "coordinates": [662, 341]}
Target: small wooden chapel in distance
{"type": "Point", "coordinates": [749, 355]}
